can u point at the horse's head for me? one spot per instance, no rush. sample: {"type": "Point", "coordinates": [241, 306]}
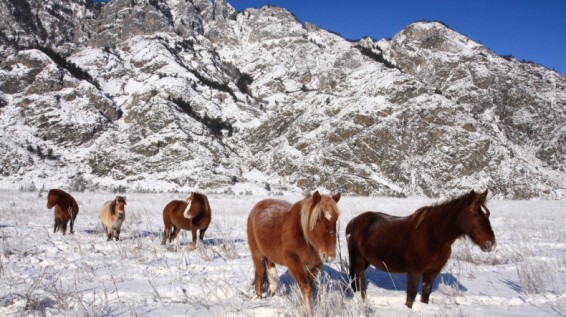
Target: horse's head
{"type": "Point", "coordinates": [120, 205]}
{"type": "Point", "coordinates": [52, 198]}
{"type": "Point", "coordinates": [319, 215]}
{"type": "Point", "coordinates": [196, 203]}
{"type": "Point", "coordinates": [474, 221]}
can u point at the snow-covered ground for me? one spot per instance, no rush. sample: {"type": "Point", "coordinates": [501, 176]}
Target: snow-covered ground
{"type": "Point", "coordinates": [42, 273]}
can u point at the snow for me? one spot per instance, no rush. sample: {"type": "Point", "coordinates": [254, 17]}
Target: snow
{"type": "Point", "coordinates": [83, 274]}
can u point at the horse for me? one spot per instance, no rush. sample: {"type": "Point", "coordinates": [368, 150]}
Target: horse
{"type": "Point", "coordinates": [113, 215]}
{"type": "Point", "coordinates": [191, 214]}
{"type": "Point", "coordinates": [299, 236]}
{"type": "Point", "coordinates": [419, 244]}
{"type": "Point", "coordinates": [66, 208]}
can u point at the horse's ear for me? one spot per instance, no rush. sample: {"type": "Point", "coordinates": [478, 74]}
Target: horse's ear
{"type": "Point", "coordinates": [484, 195]}
{"type": "Point", "coordinates": [336, 197]}
{"type": "Point", "coordinates": [315, 198]}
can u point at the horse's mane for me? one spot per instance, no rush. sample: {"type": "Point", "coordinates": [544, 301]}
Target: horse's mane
{"type": "Point", "coordinates": [448, 204]}
{"type": "Point", "coordinates": [200, 196]}
{"type": "Point", "coordinates": [205, 202]}
{"type": "Point", "coordinates": [113, 203]}
{"type": "Point", "coordinates": [466, 199]}
{"type": "Point", "coordinates": [63, 199]}
{"type": "Point", "coordinates": [309, 218]}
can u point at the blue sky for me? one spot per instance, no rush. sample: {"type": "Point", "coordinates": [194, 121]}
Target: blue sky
{"type": "Point", "coordinates": [532, 30]}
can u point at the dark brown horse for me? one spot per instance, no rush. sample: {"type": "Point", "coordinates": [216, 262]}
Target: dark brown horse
{"type": "Point", "coordinates": [66, 208]}
{"type": "Point", "coordinates": [299, 236]}
{"type": "Point", "coordinates": [419, 244]}
{"type": "Point", "coordinates": [191, 214]}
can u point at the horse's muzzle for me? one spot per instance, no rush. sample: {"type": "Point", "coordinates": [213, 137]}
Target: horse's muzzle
{"type": "Point", "coordinates": [489, 246]}
{"type": "Point", "coordinates": [121, 215]}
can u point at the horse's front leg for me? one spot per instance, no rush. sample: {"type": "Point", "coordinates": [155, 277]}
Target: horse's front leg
{"type": "Point", "coordinates": [194, 234]}
{"type": "Point", "coordinates": [302, 278]}
{"type": "Point", "coordinates": [312, 273]}
{"type": "Point", "coordinates": [201, 233]}
{"type": "Point", "coordinates": [428, 280]}
{"type": "Point", "coordinates": [64, 227]}
{"type": "Point", "coordinates": [413, 278]}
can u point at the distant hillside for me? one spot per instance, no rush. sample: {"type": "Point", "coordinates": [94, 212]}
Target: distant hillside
{"type": "Point", "coordinates": [164, 95]}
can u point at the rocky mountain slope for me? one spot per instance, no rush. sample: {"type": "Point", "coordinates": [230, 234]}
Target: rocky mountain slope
{"type": "Point", "coordinates": [179, 95]}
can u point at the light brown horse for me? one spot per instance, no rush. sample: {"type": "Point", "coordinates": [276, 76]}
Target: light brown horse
{"type": "Point", "coordinates": [192, 214]}
{"type": "Point", "coordinates": [113, 215]}
{"type": "Point", "coordinates": [299, 236]}
{"type": "Point", "coordinates": [419, 244]}
{"type": "Point", "coordinates": [66, 208]}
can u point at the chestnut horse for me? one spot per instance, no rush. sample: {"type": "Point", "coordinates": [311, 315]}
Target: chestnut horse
{"type": "Point", "coordinates": [419, 244]}
{"type": "Point", "coordinates": [113, 215]}
{"type": "Point", "coordinates": [191, 214]}
{"type": "Point", "coordinates": [66, 208]}
{"type": "Point", "coordinates": [299, 236]}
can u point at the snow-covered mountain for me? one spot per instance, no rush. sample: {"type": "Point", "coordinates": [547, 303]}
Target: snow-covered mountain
{"type": "Point", "coordinates": [179, 95]}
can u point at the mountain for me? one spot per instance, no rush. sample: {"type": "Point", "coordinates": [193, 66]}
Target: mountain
{"type": "Point", "coordinates": [179, 95]}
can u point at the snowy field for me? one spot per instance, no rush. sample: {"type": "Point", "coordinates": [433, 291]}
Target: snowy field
{"type": "Point", "coordinates": [48, 274]}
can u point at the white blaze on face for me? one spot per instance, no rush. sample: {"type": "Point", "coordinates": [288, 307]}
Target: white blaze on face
{"type": "Point", "coordinates": [186, 212]}
{"type": "Point", "coordinates": [328, 215]}
{"type": "Point", "coordinates": [484, 210]}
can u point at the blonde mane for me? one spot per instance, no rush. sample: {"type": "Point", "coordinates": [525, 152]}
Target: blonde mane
{"type": "Point", "coordinates": [309, 218]}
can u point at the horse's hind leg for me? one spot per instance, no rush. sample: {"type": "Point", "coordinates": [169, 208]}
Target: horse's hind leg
{"type": "Point", "coordinates": [357, 269]}
{"type": "Point", "coordinates": [166, 234]}
{"type": "Point", "coordinates": [64, 227]}
{"type": "Point", "coordinates": [72, 224]}
{"type": "Point", "coordinates": [272, 277]}
{"type": "Point", "coordinates": [259, 273]}
{"type": "Point", "coordinates": [173, 237]}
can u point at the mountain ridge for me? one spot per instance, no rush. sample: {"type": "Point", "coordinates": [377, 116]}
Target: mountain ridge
{"type": "Point", "coordinates": [195, 95]}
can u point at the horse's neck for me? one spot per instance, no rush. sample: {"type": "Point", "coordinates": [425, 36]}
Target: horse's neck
{"type": "Point", "coordinates": [293, 221]}
{"type": "Point", "coordinates": [443, 222]}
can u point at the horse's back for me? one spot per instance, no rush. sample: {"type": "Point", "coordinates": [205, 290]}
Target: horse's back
{"type": "Point", "coordinates": [265, 224]}
{"type": "Point", "coordinates": [269, 212]}
{"type": "Point", "coordinates": [173, 206]}
{"type": "Point", "coordinates": [173, 215]}
{"type": "Point", "coordinates": [369, 219]}
{"type": "Point", "coordinates": [380, 238]}
{"type": "Point", "coordinates": [105, 214]}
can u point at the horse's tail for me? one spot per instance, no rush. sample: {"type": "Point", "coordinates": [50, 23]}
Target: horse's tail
{"type": "Point", "coordinates": [265, 279]}
{"type": "Point", "coordinates": [206, 205]}
{"type": "Point", "coordinates": [352, 255]}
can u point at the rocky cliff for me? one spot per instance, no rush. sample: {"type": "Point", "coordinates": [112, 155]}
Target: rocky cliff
{"type": "Point", "coordinates": [179, 95]}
